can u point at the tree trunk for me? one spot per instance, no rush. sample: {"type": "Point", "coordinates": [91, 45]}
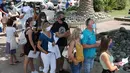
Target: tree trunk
{"type": "Point", "coordinates": [85, 7]}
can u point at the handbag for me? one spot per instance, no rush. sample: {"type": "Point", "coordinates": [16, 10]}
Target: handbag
{"type": "Point", "coordinates": [65, 52]}
{"type": "Point", "coordinates": [13, 43]}
{"type": "Point", "coordinates": [22, 38]}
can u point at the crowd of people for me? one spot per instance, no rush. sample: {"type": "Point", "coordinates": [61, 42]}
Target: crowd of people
{"type": "Point", "coordinates": [51, 40]}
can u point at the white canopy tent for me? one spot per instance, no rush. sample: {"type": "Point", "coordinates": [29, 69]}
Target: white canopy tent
{"type": "Point", "coordinates": [33, 0]}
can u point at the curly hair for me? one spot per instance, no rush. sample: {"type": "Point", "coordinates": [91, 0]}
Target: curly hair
{"type": "Point", "coordinates": [75, 34]}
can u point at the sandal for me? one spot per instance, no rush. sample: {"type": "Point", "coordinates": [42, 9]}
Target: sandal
{"type": "Point", "coordinates": [17, 62]}
{"type": "Point", "coordinates": [12, 63]}
{"type": "Point", "coordinates": [22, 54]}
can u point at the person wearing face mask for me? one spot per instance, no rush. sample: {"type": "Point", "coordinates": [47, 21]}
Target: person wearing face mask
{"type": "Point", "coordinates": [47, 55]}
{"type": "Point", "coordinates": [12, 10]}
{"type": "Point", "coordinates": [27, 12]}
{"type": "Point", "coordinates": [62, 31]}
{"type": "Point", "coordinates": [40, 20]}
{"type": "Point", "coordinates": [106, 58]}
{"type": "Point", "coordinates": [3, 6]}
{"type": "Point", "coordinates": [30, 45]}
{"type": "Point", "coordinates": [77, 58]}
{"type": "Point", "coordinates": [89, 44]}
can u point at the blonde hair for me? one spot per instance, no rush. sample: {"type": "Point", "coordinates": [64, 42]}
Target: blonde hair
{"type": "Point", "coordinates": [75, 34]}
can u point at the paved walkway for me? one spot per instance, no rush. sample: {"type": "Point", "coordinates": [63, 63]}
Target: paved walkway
{"type": "Point", "coordinates": [101, 27]}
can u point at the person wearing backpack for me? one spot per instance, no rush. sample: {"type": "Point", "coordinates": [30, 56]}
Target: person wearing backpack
{"type": "Point", "coordinates": [29, 46]}
{"type": "Point", "coordinates": [75, 58]}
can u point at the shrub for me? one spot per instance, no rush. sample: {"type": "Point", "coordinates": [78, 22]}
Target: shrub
{"type": "Point", "coordinates": [72, 8]}
{"type": "Point", "coordinates": [120, 4]}
{"type": "Point", "coordinates": [104, 5]}
{"type": "Point", "coordinates": [98, 5]}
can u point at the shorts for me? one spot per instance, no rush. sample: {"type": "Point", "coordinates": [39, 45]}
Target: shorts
{"type": "Point", "coordinates": [7, 49]}
{"type": "Point", "coordinates": [61, 48]}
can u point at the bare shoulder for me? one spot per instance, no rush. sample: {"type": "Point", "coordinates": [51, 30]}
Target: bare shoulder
{"type": "Point", "coordinates": [29, 31]}
{"type": "Point", "coordinates": [104, 56]}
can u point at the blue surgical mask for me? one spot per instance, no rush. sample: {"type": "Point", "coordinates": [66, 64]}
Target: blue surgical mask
{"type": "Point", "coordinates": [81, 36]}
{"type": "Point", "coordinates": [94, 26]}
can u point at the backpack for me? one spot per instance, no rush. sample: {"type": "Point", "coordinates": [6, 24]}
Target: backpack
{"type": "Point", "coordinates": [22, 38]}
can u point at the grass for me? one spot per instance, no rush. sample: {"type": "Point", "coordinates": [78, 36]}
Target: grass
{"type": "Point", "coordinates": [120, 13]}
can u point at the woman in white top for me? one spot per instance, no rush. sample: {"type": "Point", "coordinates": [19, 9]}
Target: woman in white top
{"type": "Point", "coordinates": [11, 34]}
{"type": "Point", "coordinates": [106, 59]}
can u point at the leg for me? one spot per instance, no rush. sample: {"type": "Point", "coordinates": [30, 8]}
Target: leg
{"type": "Point", "coordinates": [11, 59]}
{"type": "Point", "coordinates": [61, 60]}
{"type": "Point", "coordinates": [87, 65]}
{"type": "Point", "coordinates": [14, 56]}
{"type": "Point", "coordinates": [75, 68]}
{"type": "Point", "coordinates": [91, 64]}
{"type": "Point", "coordinates": [61, 63]}
{"type": "Point", "coordinates": [31, 64]}
{"type": "Point", "coordinates": [4, 27]}
{"type": "Point", "coordinates": [12, 52]}
{"type": "Point", "coordinates": [52, 63]}
{"type": "Point", "coordinates": [26, 61]}
{"type": "Point", "coordinates": [22, 51]}
{"type": "Point", "coordinates": [45, 58]}
{"type": "Point", "coordinates": [40, 63]}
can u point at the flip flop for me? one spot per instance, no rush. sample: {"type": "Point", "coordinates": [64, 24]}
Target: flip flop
{"type": "Point", "coordinates": [22, 54]}
{"type": "Point", "coordinates": [12, 64]}
{"type": "Point", "coordinates": [17, 62]}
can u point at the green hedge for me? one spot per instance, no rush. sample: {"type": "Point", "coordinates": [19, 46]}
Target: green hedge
{"type": "Point", "coordinates": [120, 4]}
{"type": "Point", "coordinates": [72, 8]}
{"type": "Point", "coordinates": [108, 5]}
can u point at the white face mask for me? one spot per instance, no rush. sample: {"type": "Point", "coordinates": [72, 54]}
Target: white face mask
{"type": "Point", "coordinates": [81, 36]}
{"type": "Point", "coordinates": [34, 23]}
{"type": "Point", "coordinates": [42, 20]}
{"type": "Point", "coordinates": [48, 28]}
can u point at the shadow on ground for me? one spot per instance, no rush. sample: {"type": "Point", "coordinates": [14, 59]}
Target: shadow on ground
{"type": "Point", "coordinates": [126, 24]}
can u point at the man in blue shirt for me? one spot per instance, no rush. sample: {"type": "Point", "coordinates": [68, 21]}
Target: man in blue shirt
{"type": "Point", "coordinates": [67, 4]}
{"type": "Point", "coordinates": [89, 45]}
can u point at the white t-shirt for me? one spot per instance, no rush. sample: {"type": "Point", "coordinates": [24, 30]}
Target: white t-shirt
{"type": "Point", "coordinates": [10, 33]}
{"type": "Point", "coordinates": [59, 7]}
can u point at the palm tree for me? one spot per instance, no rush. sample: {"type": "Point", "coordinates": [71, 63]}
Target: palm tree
{"type": "Point", "coordinates": [85, 7]}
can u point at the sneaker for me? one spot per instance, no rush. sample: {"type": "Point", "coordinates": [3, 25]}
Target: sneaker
{"type": "Point", "coordinates": [40, 68]}
{"type": "Point", "coordinates": [34, 71]}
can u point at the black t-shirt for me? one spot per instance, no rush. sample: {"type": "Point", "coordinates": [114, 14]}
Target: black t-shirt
{"type": "Point", "coordinates": [61, 28]}
{"type": "Point", "coordinates": [4, 7]}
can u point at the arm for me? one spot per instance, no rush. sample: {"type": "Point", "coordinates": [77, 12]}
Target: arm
{"type": "Point", "coordinates": [70, 50]}
{"type": "Point", "coordinates": [106, 60]}
{"type": "Point", "coordinates": [67, 34]}
{"type": "Point", "coordinates": [2, 11]}
{"type": "Point", "coordinates": [59, 35]}
{"type": "Point", "coordinates": [15, 33]}
{"type": "Point", "coordinates": [30, 39]}
{"type": "Point", "coordinates": [40, 48]}
{"type": "Point", "coordinates": [89, 46]}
